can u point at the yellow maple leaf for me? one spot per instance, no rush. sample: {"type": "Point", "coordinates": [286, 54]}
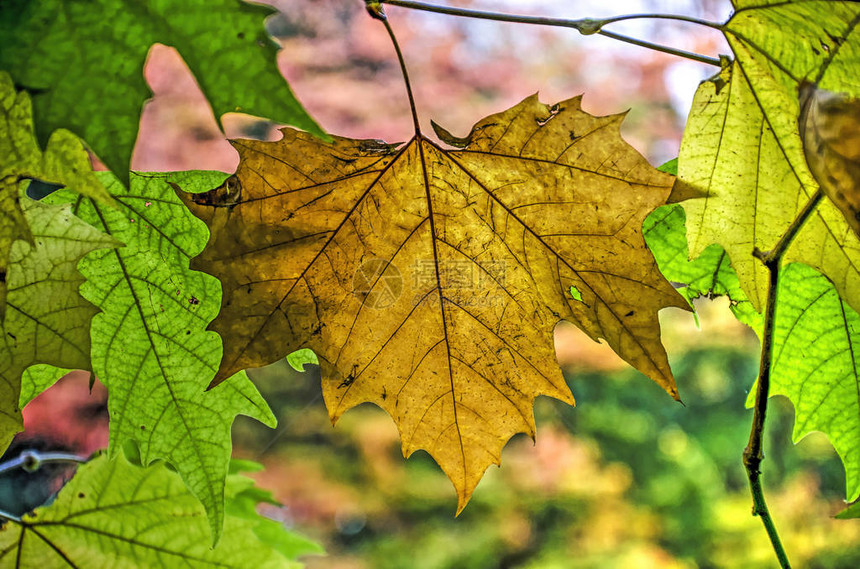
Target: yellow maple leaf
{"type": "Point", "coordinates": [429, 281]}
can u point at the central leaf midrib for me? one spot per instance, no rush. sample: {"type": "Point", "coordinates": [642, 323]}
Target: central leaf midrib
{"type": "Point", "coordinates": [429, 196]}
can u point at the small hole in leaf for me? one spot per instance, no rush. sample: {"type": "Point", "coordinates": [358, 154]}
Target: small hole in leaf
{"type": "Point", "coordinates": [574, 292]}
{"type": "Point", "coordinates": [553, 110]}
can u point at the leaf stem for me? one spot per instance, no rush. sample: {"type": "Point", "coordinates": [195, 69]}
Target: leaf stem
{"type": "Point", "coordinates": [675, 17]}
{"type": "Point", "coordinates": [375, 10]}
{"type": "Point", "coordinates": [753, 453]}
{"type": "Point", "coordinates": [585, 26]}
{"type": "Point", "coordinates": [662, 48]}
{"type": "Point", "coordinates": [782, 245]}
{"type": "Point", "coordinates": [31, 460]}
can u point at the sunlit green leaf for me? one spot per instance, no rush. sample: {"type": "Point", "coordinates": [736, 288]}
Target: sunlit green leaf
{"type": "Point", "coordinates": [150, 344]}
{"type": "Point", "coordinates": [709, 274]}
{"type": "Point", "coordinates": [816, 338]}
{"type": "Point", "coordinates": [742, 145]}
{"type": "Point", "coordinates": [37, 379]}
{"type": "Point", "coordinates": [47, 320]}
{"type": "Point", "coordinates": [114, 514]}
{"type": "Point", "coordinates": [743, 149]}
{"type": "Point", "coordinates": [64, 162]}
{"type": "Point", "coordinates": [754, 193]}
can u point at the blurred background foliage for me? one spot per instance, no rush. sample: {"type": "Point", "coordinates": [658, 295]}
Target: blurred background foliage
{"type": "Point", "coordinates": [626, 479]}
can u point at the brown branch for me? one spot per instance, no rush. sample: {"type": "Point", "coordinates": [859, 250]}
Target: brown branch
{"type": "Point", "coordinates": [754, 453]}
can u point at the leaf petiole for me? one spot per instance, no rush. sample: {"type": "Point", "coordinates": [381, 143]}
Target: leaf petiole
{"type": "Point", "coordinates": [375, 10]}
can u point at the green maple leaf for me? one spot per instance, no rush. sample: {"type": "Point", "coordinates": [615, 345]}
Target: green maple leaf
{"type": "Point", "coordinates": [150, 346]}
{"type": "Point", "coordinates": [83, 62]}
{"type": "Point", "coordinates": [38, 378]}
{"type": "Point", "coordinates": [708, 275]}
{"type": "Point", "coordinates": [64, 162]}
{"type": "Point", "coordinates": [778, 45]}
{"type": "Point", "coordinates": [816, 337]}
{"type": "Point", "coordinates": [115, 514]}
{"type": "Point", "coordinates": [781, 43]}
{"type": "Point", "coordinates": [742, 147]}
{"type": "Point", "coordinates": [47, 320]}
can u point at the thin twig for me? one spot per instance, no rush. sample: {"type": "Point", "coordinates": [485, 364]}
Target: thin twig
{"type": "Point", "coordinates": [375, 10]}
{"type": "Point", "coordinates": [585, 26]}
{"type": "Point", "coordinates": [662, 48]}
{"type": "Point", "coordinates": [675, 17]}
{"type": "Point", "coordinates": [753, 453]}
{"type": "Point", "coordinates": [31, 461]}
